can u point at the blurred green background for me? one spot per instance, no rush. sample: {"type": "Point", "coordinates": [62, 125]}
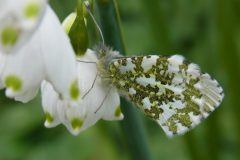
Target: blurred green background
{"type": "Point", "coordinates": [206, 32]}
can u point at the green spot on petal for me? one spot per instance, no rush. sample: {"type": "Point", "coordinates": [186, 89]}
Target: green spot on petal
{"type": "Point", "coordinates": [49, 117]}
{"type": "Point", "coordinates": [31, 10]}
{"type": "Point", "coordinates": [74, 90]}
{"type": "Point", "coordinates": [76, 123]}
{"type": "Point", "coordinates": [118, 111]}
{"type": "Point", "coordinates": [13, 82]}
{"type": "Point", "coordinates": [9, 36]}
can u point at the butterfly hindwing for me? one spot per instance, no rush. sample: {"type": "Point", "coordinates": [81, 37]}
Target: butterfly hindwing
{"type": "Point", "coordinates": [168, 89]}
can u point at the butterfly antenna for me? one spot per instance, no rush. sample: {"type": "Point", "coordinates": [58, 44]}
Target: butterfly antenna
{"type": "Point", "coordinates": [87, 5]}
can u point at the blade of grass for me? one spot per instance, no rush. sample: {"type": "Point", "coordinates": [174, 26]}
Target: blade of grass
{"type": "Point", "coordinates": [132, 126]}
{"type": "Point", "coordinates": [160, 31]}
{"type": "Point", "coordinates": [158, 24]}
{"type": "Point", "coordinates": [226, 46]}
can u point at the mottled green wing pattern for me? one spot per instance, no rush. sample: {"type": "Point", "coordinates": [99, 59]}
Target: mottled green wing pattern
{"type": "Point", "coordinates": [168, 89]}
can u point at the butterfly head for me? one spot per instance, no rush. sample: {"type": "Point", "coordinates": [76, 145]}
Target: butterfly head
{"type": "Point", "coordinates": [106, 55]}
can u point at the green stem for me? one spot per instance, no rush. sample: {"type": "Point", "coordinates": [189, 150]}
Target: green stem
{"type": "Point", "coordinates": [132, 126]}
{"type": "Point", "coordinates": [227, 49]}
{"type": "Point", "coordinates": [159, 27]}
{"type": "Point", "coordinates": [110, 24]}
{"type": "Point", "coordinates": [193, 149]}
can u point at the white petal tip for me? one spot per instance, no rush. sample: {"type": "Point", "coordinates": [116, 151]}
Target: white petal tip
{"type": "Point", "coordinates": [76, 126]}
{"type": "Point", "coordinates": [50, 125]}
{"type": "Point", "coordinates": [10, 93]}
{"type": "Point", "coordinates": [75, 132]}
{"type": "Point", "coordinates": [118, 113]}
{"type": "Point", "coordinates": [20, 96]}
{"type": "Point", "coordinates": [47, 124]}
{"type": "Point", "coordinates": [120, 117]}
{"type": "Point", "coordinates": [50, 121]}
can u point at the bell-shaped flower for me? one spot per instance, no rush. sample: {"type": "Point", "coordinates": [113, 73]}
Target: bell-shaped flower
{"type": "Point", "coordinates": [33, 48]}
{"type": "Point", "coordinates": [98, 100]}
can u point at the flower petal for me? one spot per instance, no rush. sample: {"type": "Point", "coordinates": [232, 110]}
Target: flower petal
{"type": "Point", "coordinates": [71, 115]}
{"type": "Point", "coordinates": [2, 63]}
{"type": "Point", "coordinates": [19, 19]}
{"type": "Point", "coordinates": [49, 57]}
{"type": "Point", "coordinates": [23, 72]}
{"type": "Point", "coordinates": [112, 106]}
{"type": "Point", "coordinates": [49, 102]}
{"type": "Point", "coordinates": [58, 56]}
{"type": "Point", "coordinates": [97, 100]}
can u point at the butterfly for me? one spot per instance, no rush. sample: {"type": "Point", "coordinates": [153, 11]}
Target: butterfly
{"type": "Point", "coordinates": [168, 89]}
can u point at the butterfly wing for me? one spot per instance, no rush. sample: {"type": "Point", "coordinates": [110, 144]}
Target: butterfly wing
{"type": "Point", "coordinates": [168, 89]}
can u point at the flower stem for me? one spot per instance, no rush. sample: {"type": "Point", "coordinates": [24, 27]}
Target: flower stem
{"type": "Point", "coordinates": [225, 30]}
{"type": "Point", "coordinates": [159, 27]}
{"type": "Point", "coordinates": [132, 126]}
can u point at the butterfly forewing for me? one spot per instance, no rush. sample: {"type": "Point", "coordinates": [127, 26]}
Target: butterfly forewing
{"type": "Point", "coordinates": [168, 89]}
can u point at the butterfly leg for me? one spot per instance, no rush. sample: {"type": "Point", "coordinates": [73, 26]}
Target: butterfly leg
{"type": "Point", "coordinates": [94, 81]}
{"type": "Point", "coordinates": [105, 97]}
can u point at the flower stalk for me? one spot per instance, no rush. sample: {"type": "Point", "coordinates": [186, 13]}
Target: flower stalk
{"type": "Point", "coordinates": [132, 126]}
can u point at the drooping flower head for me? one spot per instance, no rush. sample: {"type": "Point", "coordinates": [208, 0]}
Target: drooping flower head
{"type": "Point", "coordinates": [34, 47]}
{"type": "Point", "coordinates": [19, 19]}
{"type": "Point", "coordinates": [98, 101]}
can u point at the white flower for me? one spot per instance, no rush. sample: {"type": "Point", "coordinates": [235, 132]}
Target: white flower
{"type": "Point", "coordinates": [19, 19]}
{"type": "Point", "coordinates": [99, 101]}
{"type": "Point", "coordinates": [32, 51]}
